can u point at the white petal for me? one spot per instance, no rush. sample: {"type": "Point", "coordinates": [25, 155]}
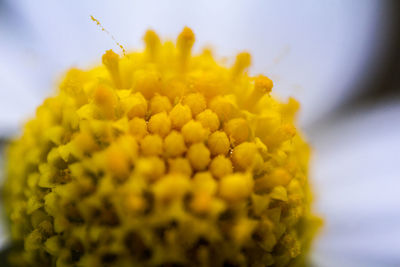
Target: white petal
{"type": "Point", "coordinates": [357, 181]}
{"type": "Point", "coordinates": [313, 50]}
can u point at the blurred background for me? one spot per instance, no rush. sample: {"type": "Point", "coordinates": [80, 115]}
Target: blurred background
{"type": "Point", "coordinates": [340, 59]}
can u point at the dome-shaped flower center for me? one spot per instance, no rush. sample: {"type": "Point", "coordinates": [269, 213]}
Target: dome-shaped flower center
{"type": "Point", "coordinates": [160, 157]}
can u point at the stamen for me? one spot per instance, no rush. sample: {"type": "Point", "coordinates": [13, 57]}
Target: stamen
{"type": "Point", "coordinates": [184, 44]}
{"type": "Point", "coordinates": [111, 61]}
{"type": "Point", "coordinates": [262, 85]}
{"type": "Point", "coordinates": [243, 61]}
{"type": "Point", "coordinates": [152, 42]}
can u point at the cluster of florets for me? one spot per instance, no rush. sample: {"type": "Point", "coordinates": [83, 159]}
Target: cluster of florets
{"type": "Point", "coordinates": [158, 158]}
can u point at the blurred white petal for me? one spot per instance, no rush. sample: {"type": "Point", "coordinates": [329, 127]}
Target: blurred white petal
{"type": "Point", "coordinates": [313, 50]}
{"type": "Point", "coordinates": [356, 173]}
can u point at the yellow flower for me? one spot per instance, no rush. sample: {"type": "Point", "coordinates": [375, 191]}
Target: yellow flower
{"type": "Point", "coordinates": [161, 157]}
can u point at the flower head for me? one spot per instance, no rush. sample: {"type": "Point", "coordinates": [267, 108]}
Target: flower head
{"type": "Point", "coordinates": [161, 157]}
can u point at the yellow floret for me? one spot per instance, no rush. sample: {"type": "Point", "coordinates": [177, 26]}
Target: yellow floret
{"type": "Point", "coordinates": [160, 103]}
{"type": "Point", "coordinates": [174, 144]}
{"type": "Point", "coordinates": [151, 145]}
{"type": "Point", "coordinates": [172, 186]}
{"type": "Point", "coordinates": [223, 107]}
{"type": "Point", "coordinates": [220, 166]}
{"type": "Point", "coordinates": [244, 155]}
{"type": "Point", "coordinates": [235, 187]}
{"type": "Point", "coordinates": [151, 168]}
{"type": "Point", "coordinates": [147, 83]}
{"type": "Point", "coordinates": [209, 120]}
{"type": "Point", "coordinates": [218, 143]}
{"type": "Point", "coordinates": [204, 182]}
{"type": "Point", "coordinates": [180, 165]}
{"type": "Point", "coordinates": [160, 157]}
{"type": "Point", "coordinates": [199, 156]}
{"type": "Point", "coordinates": [138, 127]}
{"type": "Point", "coordinates": [137, 106]}
{"type": "Point", "coordinates": [160, 124]}
{"type": "Point", "coordinates": [180, 115]}
{"type": "Point", "coordinates": [196, 102]}
{"type": "Point", "coordinates": [193, 132]}
{"type": "Point", "coordinates": [238, 130]}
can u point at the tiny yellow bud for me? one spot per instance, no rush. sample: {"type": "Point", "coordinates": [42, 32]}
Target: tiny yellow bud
{"type": "Point", "coordinates": [196, 102]}
{"type": "Point", "coordinates": [180, 115]}
{"type": "Point", "coordinates": [221, 166]}
{"type": "Point", "coordinates": [199, 156]}
{"type": "Point", "coordinates": [279, 177]}
{"type": "Point", "coordinates": [137, 127]}
{"type": "Point", "coordinates": [138, 106]}
{"type": "Point", "coordinates": [218, 143]}
{"type": "Point", "coordinates": [238, 130]}
{"type": "Point", "coordinates": [209, 120]}
{"type": "Point", "coordinates": [152, 168]}
{"type": "Point", "coordinates": [193, 132]}
{"type": "Point", "coordinates": [222, 107]}
{"type": "Point", "coordinates": [180, 165]}
{"type": "Point", "coordinates": [147, 83]}
{"type": "Point", "coordinates": [174, 144]}
{"type": "Point", "coordinates": [236, 187]}
{"type": "Point", "coordinates": [160, 124]}
{"type": "Point", "coordinates": [244, 155]}
{"type": "Point", "coordinates": [172, 186]}
{"type": "Point", "coordinates": [203, 182]}
{"type": "Point", "coordinates": [117, 162]}
{"type": "Point", "coordinates": [201, 203]}
{"type": "Point", "coordinates": [159, 104]}
{"type": "Point", "coordinates": [151, 145]}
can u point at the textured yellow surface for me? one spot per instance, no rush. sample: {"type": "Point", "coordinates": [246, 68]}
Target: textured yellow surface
{"type": "Point", "coordinates": [157, 158]}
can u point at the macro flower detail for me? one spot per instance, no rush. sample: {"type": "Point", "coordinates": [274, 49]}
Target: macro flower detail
{"type": "Point", "coordinates": [161, 158]}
